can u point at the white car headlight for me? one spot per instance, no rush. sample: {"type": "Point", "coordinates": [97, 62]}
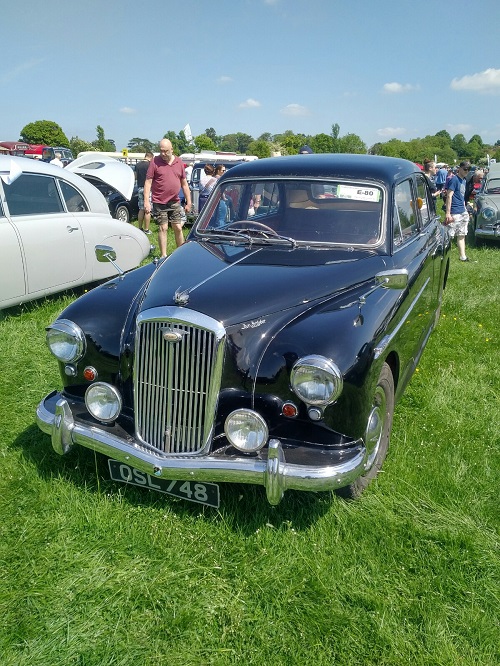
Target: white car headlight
{"type": "Point", "coordinates": [66, 341]}
{"type": "Point", "coordinates": [246, 430]}
{"type": "Point", "coordinates": [316, 380]}
{"type": "Point", "coordinates": [103, 401]}
{"type": "Point", "coordinates": [488, 213]}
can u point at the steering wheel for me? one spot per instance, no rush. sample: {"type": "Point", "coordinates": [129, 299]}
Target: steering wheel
{"type": "Point", "coordinates": [250, 224]}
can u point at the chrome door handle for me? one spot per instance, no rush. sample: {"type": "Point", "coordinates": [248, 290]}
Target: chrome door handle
{"type": "Point", "coordinates": [70, 229]}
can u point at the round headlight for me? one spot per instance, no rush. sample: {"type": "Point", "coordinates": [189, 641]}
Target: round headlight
{"type": "Point", "coordinates": [103, 401]}
{"type": "Point", "coordinates": [488, 213]}
{"type": "Point", "coordinates": [66, 341]}
{"type": "Point", "coordinates": [246, 430]}
{"type": "Point", "coordinates": [316, 380]}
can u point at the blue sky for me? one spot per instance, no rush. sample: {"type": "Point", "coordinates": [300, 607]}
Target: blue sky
{"type": "Point", "coordinates": [381, 69]}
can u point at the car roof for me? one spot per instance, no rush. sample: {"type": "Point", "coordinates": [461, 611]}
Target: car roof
{"type": "Point", "coordinates": [356, 167]}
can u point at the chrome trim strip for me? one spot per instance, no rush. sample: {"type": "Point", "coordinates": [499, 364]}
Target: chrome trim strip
{"type": "Point", "coordinates": [275, 474]}
{"type": "Point", "coordinates": [387, 339]}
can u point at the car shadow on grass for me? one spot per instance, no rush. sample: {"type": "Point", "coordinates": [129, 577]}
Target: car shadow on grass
{"type": "Point", "coordinates": [244, 507]}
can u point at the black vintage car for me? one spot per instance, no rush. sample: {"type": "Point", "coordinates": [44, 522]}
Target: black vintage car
{"type": "Point", "coordinates": [271, 347]}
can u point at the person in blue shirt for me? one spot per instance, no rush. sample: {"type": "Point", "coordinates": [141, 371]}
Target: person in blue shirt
{"type": "Point", "coordinates": [441, 177]}
{"type": "Point", "coordinates": [457, 217]}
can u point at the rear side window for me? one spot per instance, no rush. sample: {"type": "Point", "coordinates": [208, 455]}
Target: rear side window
{"type": "Point", "coordinates": [75, 203]}
{"type": "Point", "coordinates": [425, 201]}
{"type": "Point", "coordinates": [405, 221]}
{"type": "Point", "coordinates": [33, 194]}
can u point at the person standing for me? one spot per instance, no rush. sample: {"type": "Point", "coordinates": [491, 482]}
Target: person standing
{"type": "Point", "coordinates": [457, 217]}
{"type": "Point", "coordinates": [430, 173]}
{"type": "Point", "coordinates": [140, 174]}
{"type": "Point", "coordinates": [165, 176]}
{"type": "Point", "coordinates": [441, 177]}
{"type": "Point", "coordinates": [57, 160]}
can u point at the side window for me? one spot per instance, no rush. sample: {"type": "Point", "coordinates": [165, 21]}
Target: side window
{"type": "Point", "coordinates": [32, 194]}
{"type": "Point", "coordinates": [427, 203]}
{"type": "Point", "coordinates": [75, 203]}
{"type": "Point", "coordinates": [405, 220]}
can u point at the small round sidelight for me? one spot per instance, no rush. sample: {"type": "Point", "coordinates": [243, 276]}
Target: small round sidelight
{"type": "Point", "coordinates": [103, 401]}
{"type": "Point", "coordinates": [246, 430]}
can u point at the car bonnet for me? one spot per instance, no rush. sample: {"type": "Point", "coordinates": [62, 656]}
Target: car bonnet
{"type": "Point", "coordinates": [111, 171]}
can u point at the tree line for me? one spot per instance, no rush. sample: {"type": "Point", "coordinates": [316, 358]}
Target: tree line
{"type": "Point", "coordinates": [446, 148]}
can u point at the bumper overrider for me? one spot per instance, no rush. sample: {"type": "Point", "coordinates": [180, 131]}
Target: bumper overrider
{"type": "Point", "coordinates": [321, 471]}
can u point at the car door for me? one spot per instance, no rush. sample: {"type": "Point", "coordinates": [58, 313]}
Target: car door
{"type": "Point", "coordinates": [12, 282]}
{"type": "Point", "coordinates": [430, 230]}
{"type": "Point", "coordinates": [411, 252]}
{"type": "Point", "coordinates": [50, 237]}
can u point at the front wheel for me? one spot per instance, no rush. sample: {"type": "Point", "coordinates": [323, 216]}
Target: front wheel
{"type": "Point", "coordinates": [377, 434]}
{"type": "Point", "coordinates": [122, 214]}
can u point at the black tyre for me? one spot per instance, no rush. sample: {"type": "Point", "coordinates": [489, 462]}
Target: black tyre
{"type": "Point", "coordinates": [378, 431]}
{"type": "Point", "coordinates": [122, 214]}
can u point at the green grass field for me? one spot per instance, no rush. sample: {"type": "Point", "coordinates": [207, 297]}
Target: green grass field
{"type": "Point", "coordinates": [96, 574]}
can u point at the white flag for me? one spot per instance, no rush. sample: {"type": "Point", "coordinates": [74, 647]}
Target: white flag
{"type": "Point", "coordinates": [187, 133]}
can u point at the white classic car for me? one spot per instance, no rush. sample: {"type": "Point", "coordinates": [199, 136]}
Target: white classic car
{"type": "Point", "coordinates": [51, 222]}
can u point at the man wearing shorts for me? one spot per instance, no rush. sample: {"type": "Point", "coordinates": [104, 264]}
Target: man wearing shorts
{"type": "Point", "coordinates": [166, 176]}
{"type": "Point", "coordinates": [457, 217]}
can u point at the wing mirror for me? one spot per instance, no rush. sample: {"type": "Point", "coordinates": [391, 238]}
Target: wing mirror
{"type": "Point", "coordinates": [395, 279]}
{"type": "Point", "coordinates": [105, 253]}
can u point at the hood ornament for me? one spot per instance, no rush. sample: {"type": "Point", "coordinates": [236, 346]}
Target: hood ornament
{"type": "Point", "coordinates": [181, 297]}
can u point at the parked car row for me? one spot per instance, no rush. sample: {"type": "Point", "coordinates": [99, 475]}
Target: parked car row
{"type": "Point", "coordinates": [270, 348]}
{"type": "Point", "coordinates": [51, 219]}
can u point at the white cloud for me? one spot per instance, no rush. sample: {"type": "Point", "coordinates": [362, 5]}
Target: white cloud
{"type": "Point", "coordinates": [224, 79]}
{"type": "Point", "coordinates": [295, 110]}
{"type": "Point", "coordinates": [128, 111]}
{"type": "Point", "coordinates": [398, 87]}
{"type": "Point", "coordinates": [460, 128]}
{"type": "Point", "coordinates": [391, 131]}
{"type": "Point", "coordinates": [482, 82]}
{"type": "Point", "coordinates": [249, 104]}
{"type": "Point", "coordinates": [19, 69]}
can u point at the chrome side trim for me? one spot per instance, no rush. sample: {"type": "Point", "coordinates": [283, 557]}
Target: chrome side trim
{"type": "Point", "coordinates": [275, 474]}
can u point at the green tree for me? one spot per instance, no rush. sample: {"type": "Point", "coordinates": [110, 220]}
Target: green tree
{"type": "Point", "coordinates": [476, 139]}
{"type": "Point", "coordinates": [445, 135]}
{"type": "Point", "coordinates": [322, 143]}
{"type": "Point", "coordinates": [138, 145]}
{"type": "Point", "coordinates": [211, 133]}
{"type": "Point", "coordinates": [44, 132]}
{"type": "Point", "coordinates": [459, 145]}
{"type": "Point", "coordinates": [260, 148]}
{"type": "Point", "coordinates": [101, 143]}
{"type": "Point", "coordinates": [203, 142]}
{"type": "Point", "coordinates": [352, 143]}
{"type": "Point", "coordinates": [78, 145]}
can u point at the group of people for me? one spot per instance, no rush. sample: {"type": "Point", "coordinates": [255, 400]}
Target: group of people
{"type": "Point", "coordinates": [456, 188]}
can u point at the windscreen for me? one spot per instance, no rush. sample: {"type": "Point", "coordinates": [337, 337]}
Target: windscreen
{"type": "Point", "coordinates": [312, 211]}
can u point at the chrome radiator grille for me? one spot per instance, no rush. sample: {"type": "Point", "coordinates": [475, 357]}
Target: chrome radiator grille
{"type": "Point", "coordinates": [177, 374]}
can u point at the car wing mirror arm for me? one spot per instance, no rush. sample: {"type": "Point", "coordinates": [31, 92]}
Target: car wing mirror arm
{"type": "Point", "coordinates": [105, 253]}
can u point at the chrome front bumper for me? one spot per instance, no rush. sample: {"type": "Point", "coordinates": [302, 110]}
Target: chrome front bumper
{"type": "Point", "coordinates": [55, 418]}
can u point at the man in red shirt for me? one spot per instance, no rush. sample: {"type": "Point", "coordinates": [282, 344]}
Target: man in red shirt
{"type": "Point", "coordinates": [166, 176]}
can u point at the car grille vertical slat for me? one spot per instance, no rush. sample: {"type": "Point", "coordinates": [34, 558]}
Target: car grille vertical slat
{"type": "Point", "coordinates": [177, 382]}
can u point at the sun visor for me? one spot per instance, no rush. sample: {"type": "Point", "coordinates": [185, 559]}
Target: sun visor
{"type": "Point", "coordinates": [111, 171]}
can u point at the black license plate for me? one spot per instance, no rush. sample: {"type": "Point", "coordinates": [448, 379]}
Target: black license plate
{"type": "Point", "coordinates": [193, 491]}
